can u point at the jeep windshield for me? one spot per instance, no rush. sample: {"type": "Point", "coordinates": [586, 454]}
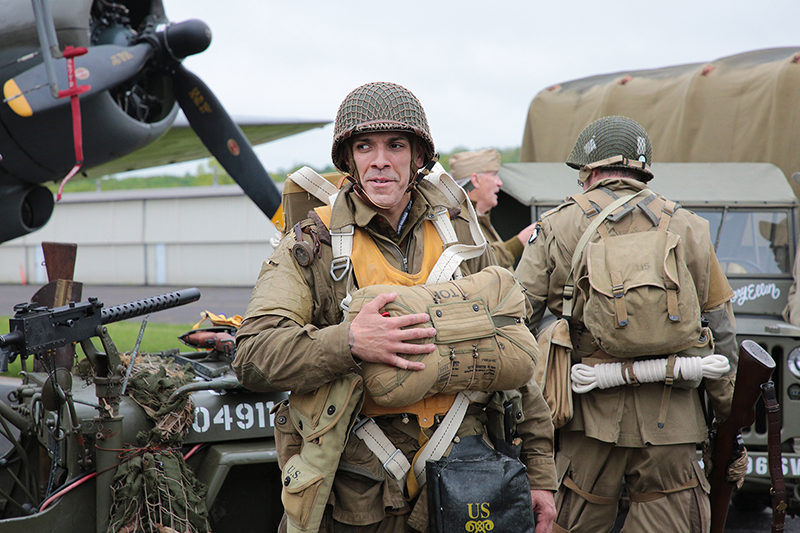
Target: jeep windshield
{"type": "Point", "coordinates": [750, 242]}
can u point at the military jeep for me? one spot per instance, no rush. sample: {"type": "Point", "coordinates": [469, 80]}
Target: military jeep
{"type": "Point", "coordinates": [65, 435]}
{"type": "Point", "coordinates": [753, 221]}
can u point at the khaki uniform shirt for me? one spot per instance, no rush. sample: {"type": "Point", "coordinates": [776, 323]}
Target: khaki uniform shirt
{"type": "Point", "coordinates": [628, 415]}
{"type": "Point", "coordinates": [293, 339]}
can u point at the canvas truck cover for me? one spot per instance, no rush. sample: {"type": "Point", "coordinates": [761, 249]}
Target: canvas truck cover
{"type": "Point", "coordinates": [740, 108]}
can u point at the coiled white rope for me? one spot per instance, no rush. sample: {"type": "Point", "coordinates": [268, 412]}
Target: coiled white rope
{"type": "Point", "coordinates": [607, 375]}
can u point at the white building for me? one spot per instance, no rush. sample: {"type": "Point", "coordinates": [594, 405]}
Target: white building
{"type": "Point", "coordinates": [188, 236]}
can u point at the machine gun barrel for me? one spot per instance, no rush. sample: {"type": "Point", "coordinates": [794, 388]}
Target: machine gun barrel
{"type": "Point", "coordinates": [755, 368]}
{"type": "Point", "coordinates": [149, 305]}
{"type": "Point", "coordinates": [35, 329]}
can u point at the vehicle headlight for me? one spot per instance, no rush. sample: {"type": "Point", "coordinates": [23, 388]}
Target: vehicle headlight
{"type": "Point", "coordinates": [793, 362]}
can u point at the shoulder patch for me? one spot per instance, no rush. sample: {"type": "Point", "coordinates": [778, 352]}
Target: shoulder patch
{"type": "Point", "coordinates": [535, 234]}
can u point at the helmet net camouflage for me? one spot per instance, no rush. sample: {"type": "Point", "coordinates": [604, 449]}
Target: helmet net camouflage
{"type": "Point", "coordinates": [378, 106]}
{"type": "Point", "coordinates": [612, 142]}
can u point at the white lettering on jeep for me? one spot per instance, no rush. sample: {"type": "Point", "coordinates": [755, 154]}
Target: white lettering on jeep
{"type": "Point", "coordinates": [246, 417]}
{"type": "Point", "coordinates": [748, 293]}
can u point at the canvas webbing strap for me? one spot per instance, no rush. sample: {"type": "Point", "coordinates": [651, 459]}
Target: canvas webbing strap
{"type": "Point", "coordinates": [444, 434]}
{"type": "Point", "coordinates": [672, 287]}
{"type": "Point", "coordinates": [640, 498]}
{"type": "Point", "coordinates": [668, 381]}
{"type": "Point", "coordinates": [588, 496]}
{"type": "Point", "coordinates": [316, 185]}
{"type": "Point", "coordinates": [645, 497]}
{"type": "Point", "coordinates": [447, 266]}
{"type": "Point", "coordinates": [569, 286]}
{"type": "Point", "coordinates": [453, 255]}
{"type": "Point", "coordinates": [393, 459]}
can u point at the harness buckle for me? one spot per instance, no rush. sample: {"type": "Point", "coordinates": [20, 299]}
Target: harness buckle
{"type": "Point", "coordinates": [340, 263]}
{"type": "Point", "coordinates": [387, 461]}
{"type": "Point", "coordinates": [360, 421]}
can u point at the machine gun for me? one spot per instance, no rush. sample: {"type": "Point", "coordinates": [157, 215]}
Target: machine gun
{"type": "Point", "coordinates": [755, 368]}
{"type": "Point", "coordinates": [35, 329]}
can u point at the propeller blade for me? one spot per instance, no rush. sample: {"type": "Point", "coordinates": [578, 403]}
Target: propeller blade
{"type": "Point", "coordinates": [225, 140]}
{"type": "Point", "coordinates": [103, 67]}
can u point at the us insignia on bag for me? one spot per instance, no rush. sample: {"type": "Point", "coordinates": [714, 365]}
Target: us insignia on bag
{"type": "Point", "coordinates": [478, 511]}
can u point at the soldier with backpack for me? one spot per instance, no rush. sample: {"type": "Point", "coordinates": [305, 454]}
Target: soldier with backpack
{"type": "Point", "coordinates": [345, 459]}
{"type": "Point", "coordinates": [636, 279]}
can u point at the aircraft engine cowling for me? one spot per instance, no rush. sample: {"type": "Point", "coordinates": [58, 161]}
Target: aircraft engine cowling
{"type": "Point", "coordinates": [25, 210]}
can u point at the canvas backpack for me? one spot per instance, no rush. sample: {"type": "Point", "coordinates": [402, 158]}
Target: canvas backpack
{"type": "Point", "coordinates": [640, 298]}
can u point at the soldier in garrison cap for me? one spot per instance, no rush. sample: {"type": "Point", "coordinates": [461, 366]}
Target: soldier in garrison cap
{"type": "Point", "coordinates": [293, 337]}
{"type": "Point", "coordinates": [476, 172]}
{"type": "Point", "coordinates": [641, 433]}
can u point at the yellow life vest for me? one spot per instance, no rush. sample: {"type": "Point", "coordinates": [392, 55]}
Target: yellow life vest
{"type": "Point", "coordinates": [370, 267]}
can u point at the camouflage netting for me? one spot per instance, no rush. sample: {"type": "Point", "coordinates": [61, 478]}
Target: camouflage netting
{"type": "Point", "coordinates": [154, 490]}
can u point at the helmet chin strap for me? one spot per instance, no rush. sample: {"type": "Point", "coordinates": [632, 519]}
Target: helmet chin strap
{"type": "Point", "coordinates": [424, 171]}
{"type": "Point", "coordinates": [364, 196]}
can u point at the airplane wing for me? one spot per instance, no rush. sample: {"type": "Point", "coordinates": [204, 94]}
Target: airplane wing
{"type": "Point", "coordinates": [180, 143]}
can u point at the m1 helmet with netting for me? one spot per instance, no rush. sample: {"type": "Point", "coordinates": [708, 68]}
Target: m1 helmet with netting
{"type": "Point", "coordinates": [378, 106]}
{"type": "Point", "coordinates": [612, 142]}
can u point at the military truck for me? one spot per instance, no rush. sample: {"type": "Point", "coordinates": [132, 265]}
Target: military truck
{"type": "Point", "coordinates": [63, 435]}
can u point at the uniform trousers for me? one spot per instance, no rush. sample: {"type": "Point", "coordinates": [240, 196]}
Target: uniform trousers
{"type": "Point", "coordinates": [601, 468]}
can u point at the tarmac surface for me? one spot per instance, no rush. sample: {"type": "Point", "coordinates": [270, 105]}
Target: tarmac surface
{"type": "Point", "coordinates": [228, 301]}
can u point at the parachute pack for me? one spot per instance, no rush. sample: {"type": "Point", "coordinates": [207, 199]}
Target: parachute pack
{"type": "Point", "coordinates": [482, 341]}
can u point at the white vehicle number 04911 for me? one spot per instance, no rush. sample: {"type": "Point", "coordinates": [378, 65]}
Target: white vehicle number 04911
{"type": "Point", "coordinates": [244, 416]}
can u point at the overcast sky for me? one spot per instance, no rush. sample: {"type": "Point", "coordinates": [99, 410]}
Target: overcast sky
{"type": "Point", "coordinates": [475, 66]}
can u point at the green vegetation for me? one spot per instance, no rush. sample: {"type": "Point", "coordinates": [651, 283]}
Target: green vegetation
{"type": "Point", "coordinates": [205, 176]}
{"type": "Point", "coordinates": [157, 338]}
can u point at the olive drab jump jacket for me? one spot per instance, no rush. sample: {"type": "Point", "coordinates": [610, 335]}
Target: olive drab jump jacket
{"type": "Point", "coordinates": [627, 416]}
{"type": "Point", "coordinates": [293, 339]}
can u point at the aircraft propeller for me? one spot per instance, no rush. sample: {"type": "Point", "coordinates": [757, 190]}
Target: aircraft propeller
{"type": "Point", "coordinates": [160, 47]}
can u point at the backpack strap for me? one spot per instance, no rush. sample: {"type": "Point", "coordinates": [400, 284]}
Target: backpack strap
{"type": "Point", "coordinates": [569, 286]}
{"type": "Point", "coordinates": [316, 185]}
{"type": "Point", "coordinates": [672, 288]}
{"type": "Point", "coordinates": [591, 211]}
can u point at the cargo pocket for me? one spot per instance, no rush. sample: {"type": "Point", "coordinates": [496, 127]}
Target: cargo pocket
{"type": "Point", "coordinates": [288, 441]}
{"type": "Point", "coordinates": [563, 496]}
{"type": "Point", "coordinates": [701, 521]}
{"type": "Point", "coordinates": [301, 483]}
